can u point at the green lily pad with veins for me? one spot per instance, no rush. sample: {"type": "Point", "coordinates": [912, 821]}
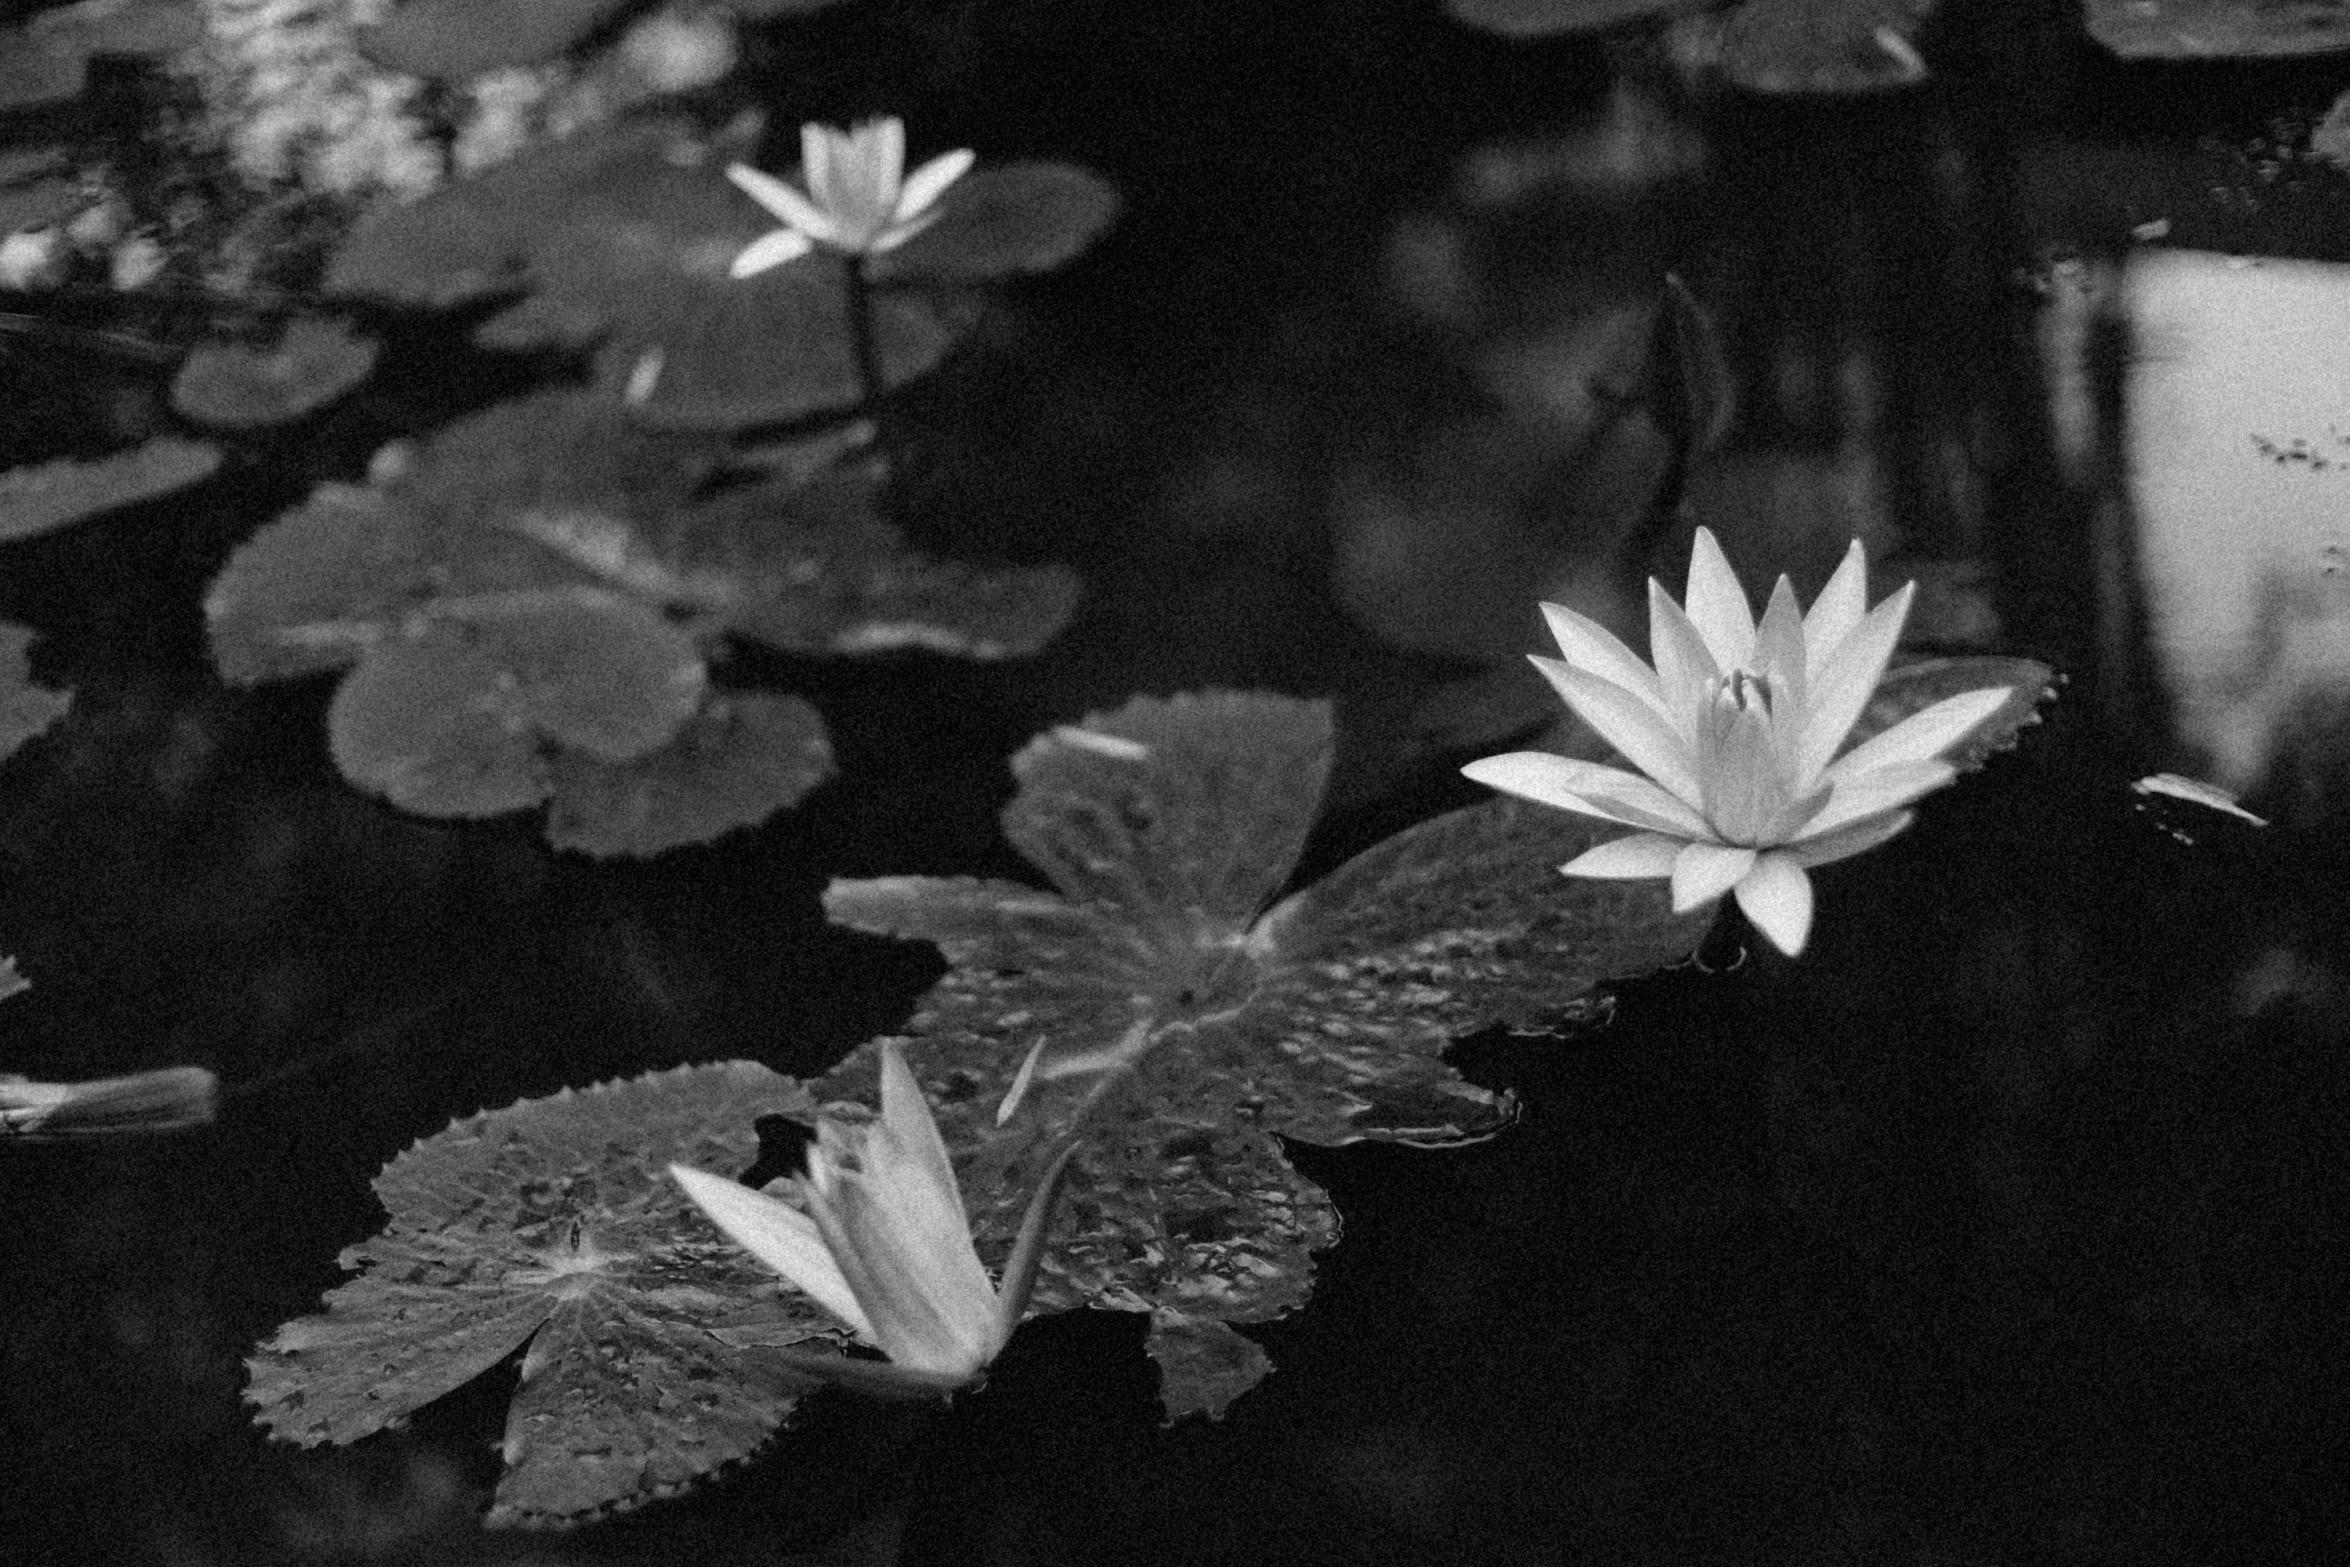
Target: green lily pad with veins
{"type": "Point", "coordinates": [552, 1227]}
{"type": "Point", "coordinates": [1182, 1022]}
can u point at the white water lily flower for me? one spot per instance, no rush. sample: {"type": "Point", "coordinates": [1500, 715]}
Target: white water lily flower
{"type": "Point", "coordinates": [859, 200]}
{"type": "Point", "coordinates": [885, 1245]}
{"type": "Point", "coordinates": [1737, 729]}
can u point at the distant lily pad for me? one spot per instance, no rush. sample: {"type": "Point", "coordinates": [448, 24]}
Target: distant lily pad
{"type": "Point", "coordinates": [1153, 1006]}
{"type": "Point", "coordinates": [1807, 46]}
{"type": "Point", "coordinates": [553, 1224]}
{"type": "Point", "coordinates": [58, 494]}
{"type": "Point", "coordinates": [460, 715]}
{"type": "Point", "coordinates": [997, 222]}
{"type": "Point", "coordinates": [1544, 18]}
{"type": "Point", "coordinates": [26, 709]}
{"type": "Point", "coordinates": [236, 386]}
{"type": "Point", "coordinates": [531, 601]}
{"type": "Point", "coordinates": [456, 40]}
{"type": "Point", "coordinates": [742, 758]}
{"type": "Point", "coordinates": [2218, 29]}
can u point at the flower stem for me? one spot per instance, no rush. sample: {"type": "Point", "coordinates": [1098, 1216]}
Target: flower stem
{"type": "Point", "coordinates": [861, 338]}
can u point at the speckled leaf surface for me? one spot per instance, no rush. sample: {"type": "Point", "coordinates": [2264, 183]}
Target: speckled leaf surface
{"type": "Point", "coordinates": [553, 1223]}
{"type": "Point", "coordinates": [1912, 688]}
{"type": "Point", "coordinates": [1182, 1032]}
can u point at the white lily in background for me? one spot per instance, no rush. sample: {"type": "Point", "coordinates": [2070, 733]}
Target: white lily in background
{"type": "Point", "coordinates": [1737, 729]}
{"type": "Point", "coordinates": [885, 1245]}
{"type": "Point", "coordinates": [859, 200]}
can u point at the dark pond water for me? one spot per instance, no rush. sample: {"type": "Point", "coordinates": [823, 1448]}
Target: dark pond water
{"type": "Point", "coordinates": [2009, 1224]}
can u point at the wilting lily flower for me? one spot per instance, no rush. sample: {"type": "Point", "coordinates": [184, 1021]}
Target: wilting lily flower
{"type": "Point", "coordinates": [859, 200]}
{"type": "Point", "coordinates": [885, 1245]}
{"type": "Point", "coordinates": [1737, 728]}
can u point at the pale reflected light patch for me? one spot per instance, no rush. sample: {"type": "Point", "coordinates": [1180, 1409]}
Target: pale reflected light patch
{"type": "Point", "coordinates": [2239, 451]}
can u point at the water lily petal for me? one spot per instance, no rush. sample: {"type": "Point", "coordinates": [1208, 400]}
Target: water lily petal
{"type": "Point", "coordinates": [1776, 896]}
{"type": "Point", "coordinates": [1779, 653]}
{"type": "Point", "coordinates": [927, 183]}
{"type": "Point", "coordinates": [920, 1319]}
{"type": "Point", "coordinates": [1923, 734]}
{"type": "Point", "coordinates": [1702, 872]}
{"type": "Point", "coordinates": [1858, 838]}
{"type": "Point", "coordinates": [782, 200]}
{"type": "Point", "coordinates": [906, 1168]}
{"type": "Point", "coordinates": [1588, 789]}
{"type": "Point", "coordinates": [1590, 646]}
{"type": "Point", "coordinates": [816, 148]}
{"type": "Point", "coordinates": [1630, 725]}
{"type": "Point", "coordinates": [780, 1236]}
{"type": "Point", "coordinates": [1874, 792]}
{"type": "Point", "coordinates": [769, 250]}
{"type": "Point", "coordinates": [1717, 604]}
{"type": "Point", "coordinates": [1845, 684]}
{"type": "Point", "coordinates": [1637, 858]}
{"type": "Point", "coordinates": [1746, 795]}
{"type": "Point", "coordinates": [1685, 667]}
{"type": "Point", "coordinates": [1028, 1250]}
{"type": "Point", "coordinates": [1837, 610]}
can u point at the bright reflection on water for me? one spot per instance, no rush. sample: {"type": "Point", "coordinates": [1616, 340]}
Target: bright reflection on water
{"type": "Point", "coordinates": [2239, 452]}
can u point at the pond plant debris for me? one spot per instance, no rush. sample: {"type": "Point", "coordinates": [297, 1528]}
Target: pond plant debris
{"type": "Point", "coordinates": [1741, 736]}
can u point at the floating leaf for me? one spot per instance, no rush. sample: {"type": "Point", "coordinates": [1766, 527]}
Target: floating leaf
{"type": "Point", "coordinates": [456, 40]}
{"type": "Point", "coordinates": [315, 361]}
{"type": "Point", "coordinates": [625, 233]}
{"type": "Point", "coordinates": [26, 709]}
{"type": "Point", "coordinates": [1177, 1031]}
{"type": "Point", "coordinates": [814, 568]}
{"type": "Point", "coordinates": [1542, 18]}
{"type": "Point", "coordinates": [742, 758]}
{"type": "Point", "coordinates": [1021, 217]}
{"type": "Point", "coordinates": [58, 494]}
{"type": "Point", "coordinates": [1912, 688]}
{"type": "Point", "coordinates": [1806, 46]}
{"type": "Point", "coordinates": [553, 1224]}
{"type": "Point", "coordinates": [459, 716]}
{"type": "Point", "coordinates": [2218, 29]}
{"type": "Point", "coordinates": [316, 588]}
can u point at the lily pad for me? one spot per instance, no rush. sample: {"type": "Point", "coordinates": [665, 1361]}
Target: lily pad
{"type": "Point", "coordinates": [54, 495]}
{"type": "Point", "coordinates": [1180, 1027]}
{"type": "Point", "coordinates": [552, 1224]}
{"type": "Point", "coordinates": [1807, 46]}
{"type": "Point", "coordinates": [26, 709]}
{"type": "Point", "coordinates": [1544, 18]}
{"type": "Point", "coordinates": [997, 222]}
{"type": "Point", "coordinates": [742, 758]}
{"type": "Point", "coordinates": [531, 598]}
{"type": "Point", "coordinates": [2218, 29]}
{"type": "Point", "coordinates": [460, 713]}
{"type": "Point", "coordinates": [457, 40]}
{"type": "Point", "coordinates": [624, 234]}
{"type": "Point", "coordinates": [236, 386]}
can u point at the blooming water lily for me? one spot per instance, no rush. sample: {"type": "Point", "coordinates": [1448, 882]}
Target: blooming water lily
{"type": "Point", "coordinates": [1738, 727]}
{"type": "Point", "coordinates": [885, 1245]}
{"type": "Point", "coordinates": [859, 200]}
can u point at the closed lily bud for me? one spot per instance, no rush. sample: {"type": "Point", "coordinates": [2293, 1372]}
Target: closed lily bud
{"type": "Point", "coordinates": [885, 1245]}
